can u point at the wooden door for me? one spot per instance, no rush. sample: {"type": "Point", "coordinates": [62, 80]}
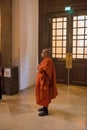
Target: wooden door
{"type": "Point", "coordinates": [68, 34]}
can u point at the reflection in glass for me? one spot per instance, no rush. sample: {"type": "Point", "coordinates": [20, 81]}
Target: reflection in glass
{"type": "Point", "coordinates": [74, 37]}
{"type": "Point", "coordinates": [80, 17]}
{"type": "Point", "coordinates": [86, 43]}
{"type": "Point", "coordinates": [80, 43]}
{"type": "Point", "coordinates": [53, 55]}
{"type": "Point", "coordinates": [58, 56]}
{"type": "Point", "coordinates": [75, 18]}
{"type": "Point", "coordinates": [59, 25]}
{"type": "Point", "coordinates": [79, 50]}
{"type": "Point", "coordinates": [74, 31]}
{"type": "Point", "coordinates": [59, 32]}
{"type": "Point", "coordinates": [86, 50]}
{"type": "Point", "coordinates": [54, 25]}
{"type": "Point", "coordinates": [74, 42]}
{"type": "Point", "coordinates": [64, 50]}
{"type": "Point", "coordinates": [64, 56]}
{"type": "Point", "coordinates": [74, 50]}
{"type": "Point", "coordinates": [64, 43]}
{"type": "Point", "coordinates": [59, 38]}
{"type": "Point", "coordinates": [86, 56]}
{"type": "Point", "coordinates": [59, 43]}
{"type": "Point", "coordinates": [54, 32]}
{"type": "Point", "coordinates": [64, 31]}
{"type": "Point", "coordinates": [53, 43]}
{"type": "Point", "coordinates": [80, 31]}
{"type": "Point", "coordinates": [53, 38]}
{"type": "Point", "coordinates": [74, 56]}
{"type": "Point", "coordinates": [58, 50]}
{"type": "Point", "coordinates": [80, 56]}
{"type": "Point", "coordinates": [64, 25]}
{"type": "Point", "coordinates": [59, 19]}
{"type": "Point", "coordinates": [86, 23]}
{"type": "Point", "coordinates": [64, 37]}
{"type": "Point", "coordinates": [74, 23]}
{"type": "Point", "coordinates": [54, 20]}
{"type": "Point", "coordinates": [85, 30]}
{"type": "Point", "coordinates": [64, 19]}
{"type": "Point", "coordinates": [80, 23]}
{"type": "Point", "coordinates": [53, 50]}
{"type": "Point", "coordinates": [80, 37]}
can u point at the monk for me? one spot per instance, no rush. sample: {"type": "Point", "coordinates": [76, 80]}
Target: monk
{"type": "Point", "coordinates": [45, 82]}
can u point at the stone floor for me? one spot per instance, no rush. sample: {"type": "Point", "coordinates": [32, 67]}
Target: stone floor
{"type": "Point", "coordinates": [67, 112]}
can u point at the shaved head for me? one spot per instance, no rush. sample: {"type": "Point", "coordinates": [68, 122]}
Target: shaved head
{"type": "Point", "coordinates": [45, 53]}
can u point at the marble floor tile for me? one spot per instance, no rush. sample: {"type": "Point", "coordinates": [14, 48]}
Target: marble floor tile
{"type": "Point", "coordinates": [68, 111]}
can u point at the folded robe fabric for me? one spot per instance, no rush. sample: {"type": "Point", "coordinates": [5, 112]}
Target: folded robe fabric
{"type": "Point", "coordinates": [45, 82]}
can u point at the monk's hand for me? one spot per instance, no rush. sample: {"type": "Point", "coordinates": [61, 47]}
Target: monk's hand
{"type": "Point", "coordinates": [40, 70]}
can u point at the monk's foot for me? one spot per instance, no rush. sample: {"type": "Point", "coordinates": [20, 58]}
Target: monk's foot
{"type": "Point", "coordinates": [43, 113]}
{"type": "Point", "coordinates": [41, 109]}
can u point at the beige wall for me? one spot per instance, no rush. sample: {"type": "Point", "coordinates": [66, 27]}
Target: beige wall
{"type": "Point", "coordinates": [25, 40]}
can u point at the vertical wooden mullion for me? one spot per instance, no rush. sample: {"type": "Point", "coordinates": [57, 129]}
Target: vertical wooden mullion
{"type": "Point", "coordinates": [76, 35]}
{"type": "Point", "coordinates": [84, 38]}
{"type": "Point", "coordinates": [56, 38]}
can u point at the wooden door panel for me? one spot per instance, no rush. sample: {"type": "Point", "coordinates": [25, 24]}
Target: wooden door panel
{"type": "Point", "coordinates": [78, 74]}
{"type": "Point", "coordinates": [61, 71]}
{"type": "Point", "coordinates": [69, 35]}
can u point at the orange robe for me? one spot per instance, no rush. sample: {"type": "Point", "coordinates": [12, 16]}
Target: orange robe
{"type": "Point", "coordinates": [46, 82]}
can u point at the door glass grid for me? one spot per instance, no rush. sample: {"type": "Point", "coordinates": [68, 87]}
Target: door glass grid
{"type": "Point", "coordinates": [59, 26]}
{"type": "Point", "coordinates": [80, 37]}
